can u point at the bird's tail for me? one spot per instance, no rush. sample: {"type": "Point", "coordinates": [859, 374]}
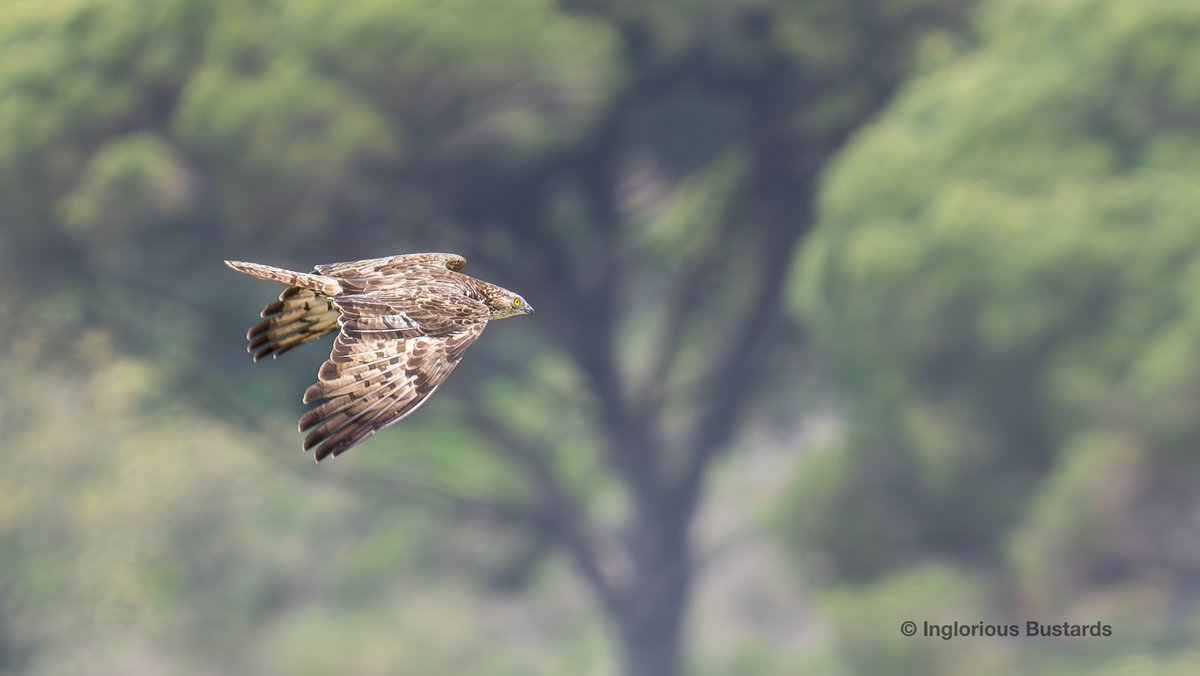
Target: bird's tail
{"type": "Point", "coordinates": [305, 280]}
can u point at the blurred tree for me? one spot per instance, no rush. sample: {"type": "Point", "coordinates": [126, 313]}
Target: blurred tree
{"type": "Point", "coordinates": [1006, 273]}
{"type": "Point", "coordinates": [643, 172]}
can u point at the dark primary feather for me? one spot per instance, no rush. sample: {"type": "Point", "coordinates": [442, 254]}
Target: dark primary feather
{"type": "Point", "coordinates": [299, 316]}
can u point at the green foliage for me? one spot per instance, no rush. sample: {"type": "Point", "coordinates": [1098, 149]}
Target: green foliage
{"type": "Point", "coordinates": [867, 620]}
{"type": "Point", "coordinates": [173, 525]}
{"type": "Point", "coordinates": [131, 181]}
{"type": "Point", "coordinates": [220, 86]}
{"type": "Point", "coordinates": [138, 144]}
{"type": "Point", "coordinates": [1005, 275]}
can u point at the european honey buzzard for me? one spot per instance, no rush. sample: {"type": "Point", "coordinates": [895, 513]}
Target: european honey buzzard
{"type": "Point", "coordinates": [403, 324]}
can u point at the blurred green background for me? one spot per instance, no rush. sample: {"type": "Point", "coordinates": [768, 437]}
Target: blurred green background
{"type": "Point", "coordinates": [850, 312]}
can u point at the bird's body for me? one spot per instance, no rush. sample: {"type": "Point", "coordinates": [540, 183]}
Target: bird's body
{"type": "Point", "coordinates": [403, 324]}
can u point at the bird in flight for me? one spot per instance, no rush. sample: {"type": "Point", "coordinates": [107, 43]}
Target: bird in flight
{"type": "Point", "coordinates": [402, 322]}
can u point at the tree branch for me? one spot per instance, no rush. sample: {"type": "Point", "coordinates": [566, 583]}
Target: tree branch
{"type": "Point", "coordinates": [678, 318]}
{"type": "Point", "coordinates": [559, 510]}
{"type": "Point", "coordinates": [427, 493]}
{"type": "Point", "coordinates": [787, 215]}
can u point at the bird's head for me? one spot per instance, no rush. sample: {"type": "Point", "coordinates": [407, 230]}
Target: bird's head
{"type": "Point", "coordinates": [504, 303]}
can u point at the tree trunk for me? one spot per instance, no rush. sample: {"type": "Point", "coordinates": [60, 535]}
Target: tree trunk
{"type": "Point", "coordinates": [651, 620]}
{"type": "Point", "coordinates": [654, 654]}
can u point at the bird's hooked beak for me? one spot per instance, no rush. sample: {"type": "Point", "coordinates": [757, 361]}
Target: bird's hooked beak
{"type": "Point", "coordinates": [528, 309]}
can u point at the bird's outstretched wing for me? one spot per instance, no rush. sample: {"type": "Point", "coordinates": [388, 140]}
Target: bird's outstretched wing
{"type": "Point", "coordinates": [299, 316]}
{"type": "Point", "coordinates": [391, 353]}
{"type": "Point", "coordinates": [391, 268]}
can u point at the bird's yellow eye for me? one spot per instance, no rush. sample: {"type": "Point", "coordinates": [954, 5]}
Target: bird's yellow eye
{"type": "Point", "coordinates": [516, 302]}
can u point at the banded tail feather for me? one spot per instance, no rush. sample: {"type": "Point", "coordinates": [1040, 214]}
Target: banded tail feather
{"type": "Point", "coordinates": [305, 280]}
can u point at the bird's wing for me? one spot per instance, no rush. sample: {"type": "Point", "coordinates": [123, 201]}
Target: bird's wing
{"type": "Point", "coordinates": [299, 316]}
{"type": "Point", "coordinates": [390, 355]}
{"type": "Point", "coordinates": [393, 266]}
